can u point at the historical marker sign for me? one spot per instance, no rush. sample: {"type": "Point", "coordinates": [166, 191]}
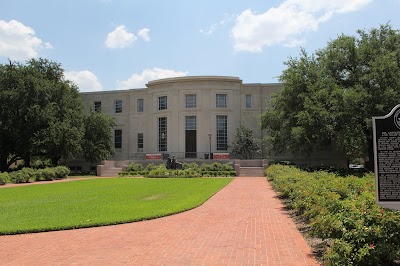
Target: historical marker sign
{"type": "Point", "coordinates": [387, 158]}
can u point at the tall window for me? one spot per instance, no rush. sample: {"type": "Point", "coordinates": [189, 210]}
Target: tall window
{"type": "Point", "coordinates": [190, 122]}
{"type": "Point", "coordinates": [249, 101]}
{"type": "Point", "coordinates": [118, 106]}
{"type": "Point", "coordinates": [140, 142]}
{"type": "Point", "coordinates": [190, 101]}
{"type": "Point", "coordinates": [162, 134]}
{"type": "Point", "coordinates": [162, 103]}
{"type": "Point", "coordinates": [140, 105]}
{"type": "Point", "coordinates": [222, 132]}
{"type": "Point", "coordinates": [97, 107]}
{"type": "Point", "coordinates": [118, 139]}
{"type": "Point", "coordinates": [221, 101]}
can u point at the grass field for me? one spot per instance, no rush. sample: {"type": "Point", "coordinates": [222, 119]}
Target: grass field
{"type": "Point", "coordinates": [95, 202]}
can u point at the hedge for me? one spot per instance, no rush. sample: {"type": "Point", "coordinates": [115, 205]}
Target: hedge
{"type": "Point", "coordinates": [4, 178]}
{"type": "Point", "coordinates": [343, 211]}
{"type": "Point", "coordinates": [189, 170]}
{"type": "Point", "coordinates": [26, 175]}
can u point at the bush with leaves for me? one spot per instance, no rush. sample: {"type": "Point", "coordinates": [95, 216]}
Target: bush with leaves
{"type": "Point", "coordinates": [193, 166]}
{"type": "Point", "coordinates": [4, 178]}
{"type": "Point", "coordinates": [134, 167]}
{"type": "Point", "coordinates": [166, 173]}
{"type": "Point", "coordinates": [343, 211]}
{"type": "Point", "coordinates": [216, 166]}
{"type": "Point", "coordinates": [47, 174]}
{"type": "Point", "coordinates": [61, 172]}
{"type": "Point", "coordinates": [189, 170]}
{"type": "Point", "coordinates": [22, 176]}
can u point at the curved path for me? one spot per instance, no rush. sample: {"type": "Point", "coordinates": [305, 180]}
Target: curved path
{"type": "Point", "coordinates": [243, 224]}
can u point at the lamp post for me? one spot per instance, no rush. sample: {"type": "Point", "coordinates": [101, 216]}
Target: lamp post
{"type": "Point", "coordinates": [162, 143]}
{"type": "Point", "coordinates": [209, 137]}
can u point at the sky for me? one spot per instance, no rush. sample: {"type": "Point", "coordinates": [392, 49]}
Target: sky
{"type": "Point", "coordinates": [107, 45]}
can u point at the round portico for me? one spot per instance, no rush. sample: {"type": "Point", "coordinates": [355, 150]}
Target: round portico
{"type": "Point", "coordinates": [189, 116]}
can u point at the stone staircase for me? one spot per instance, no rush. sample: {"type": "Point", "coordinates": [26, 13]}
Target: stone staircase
{"type": "Point", "coordinates": [111, 172]}
{"type": "Point", "coordinates": [110, 168]}
{"type": "Point", "coordinates": [252, 168]}
{"type": "Point", "coordinates": [251, 171]}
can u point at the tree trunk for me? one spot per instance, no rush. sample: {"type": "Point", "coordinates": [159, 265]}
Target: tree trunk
{"type": "Point", "coordinates": [27, 161]}
{"type": "Point", "coordinates": [55, 160]}
{"type": "Point", "coordinates": [3, 164]}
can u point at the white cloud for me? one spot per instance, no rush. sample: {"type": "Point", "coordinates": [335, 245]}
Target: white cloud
{"type": "Point", "coordinates": [337, 6]}
{"type": "Point", "coordinates": [144, 34]}
{"type": "Point", "coordinates": [19, 42]}
{"type": "Point", "coordinates": [287, 23]}
{"type": "Point", "coordinates": [140, 80]}
{"type": "Point", "coordinates": [85, 80]}
{"type": "Point", "coordinates": [120, 38]}
{"type": "Point", "coordinates": [213, 28]}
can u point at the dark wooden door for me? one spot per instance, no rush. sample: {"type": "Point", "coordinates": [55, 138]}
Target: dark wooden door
{"type": "Point", "coordinates": [191, 144]}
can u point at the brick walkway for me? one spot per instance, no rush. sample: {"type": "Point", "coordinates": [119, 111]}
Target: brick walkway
{"type": "Point", "coordinates": [243, 224]}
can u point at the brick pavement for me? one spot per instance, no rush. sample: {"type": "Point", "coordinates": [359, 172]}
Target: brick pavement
{"type": "Point", "coordinates": [243, 224]}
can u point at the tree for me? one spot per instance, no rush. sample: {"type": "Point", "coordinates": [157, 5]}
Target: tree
{"type": "Point", "coordinates": [96, 142]}
{"type": "Point", "coordinates": [329, 98]}
{"type": "Point", "coordinates": [244, 144]}
{"type": "Point", "coordinates": [41, 113]}
{"type": "Point", "coordinates": [9, 78]}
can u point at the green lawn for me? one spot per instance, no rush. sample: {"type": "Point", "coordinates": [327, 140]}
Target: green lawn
{"type": "Point", "coordinates": [95, 202]}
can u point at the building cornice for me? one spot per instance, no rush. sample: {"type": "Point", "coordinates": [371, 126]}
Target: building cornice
{"type": "Point", "coordinates": [193, 79]}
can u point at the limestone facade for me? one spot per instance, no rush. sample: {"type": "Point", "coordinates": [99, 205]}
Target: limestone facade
{"type": "Point", "coordinates": [185, 117]}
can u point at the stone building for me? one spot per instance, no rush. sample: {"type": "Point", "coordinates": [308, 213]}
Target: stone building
{"type": "Point", "coordinates": [186, 117]}
{"type": "Point", "coordinates": [179, 116]}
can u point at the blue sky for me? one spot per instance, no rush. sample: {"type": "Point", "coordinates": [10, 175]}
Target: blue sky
{"type": "Point", "coordinates": [123, 44]}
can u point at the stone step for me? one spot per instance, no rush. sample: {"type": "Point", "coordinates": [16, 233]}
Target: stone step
{"type": "Point", "coordinates": [251, 171]}
{"type": "Point", "coordinates": [110, 172]}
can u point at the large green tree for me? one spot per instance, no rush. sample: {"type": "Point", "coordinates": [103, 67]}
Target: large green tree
{"type": "Point", "coordinates": [96, 142]}
{"type": "Point", "coordinates": [330, 96]}
{"type": "Point", "coordinates": [41, 113]}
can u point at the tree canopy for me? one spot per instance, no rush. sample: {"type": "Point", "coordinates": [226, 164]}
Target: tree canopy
{"type": "Point", "coordinates": [330, 96]}
{"type": "Point", "coordinates": [41, 114]}
{"type": "Point", "coordinates": [96, 142]}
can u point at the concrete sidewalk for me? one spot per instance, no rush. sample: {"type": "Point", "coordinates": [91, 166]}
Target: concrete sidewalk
{"type": "Point", "coordinates": [243, 224]}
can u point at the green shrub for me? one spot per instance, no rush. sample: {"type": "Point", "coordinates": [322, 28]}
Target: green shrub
{"type": "Point", "coordinates": [150, 167]}
{"type": "Point", "coordinates": [61, 172]}
{"type": "Point", "coordinates": [193, 166]}
{"type": "Point", "coordinates": [82, 173]}
{"type": "Point", "coordinates": [217, 167]}
{"type": "Point", "coordinates": [343, 211]}
{"type": "Point", "coordinates": [48, 174]}
{"type": "Point", "coordinates": [164, 173]}
{"type": "Point", "coordinates": [16, 177]}
{"type": "Point", "coordinates": [134, 167]}
{"type": "Point", "coordinates": [39, 175]}
{"type": "Point", "coordinates": [4, 178]}
{"type": "Point", "coordinates": [22, 176]}
{"type": "Point", "coordinates": [218, 173]}
{"type": "Point", "coordinates": [189, 170]}
{"type": "Point", "coordinates": [159, 173]}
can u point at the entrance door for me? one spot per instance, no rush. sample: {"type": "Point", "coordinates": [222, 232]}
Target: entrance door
{"type": "Point", "coordinates": [191, 144]}
{"type": "Point", "coordinates": [190, 136]}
